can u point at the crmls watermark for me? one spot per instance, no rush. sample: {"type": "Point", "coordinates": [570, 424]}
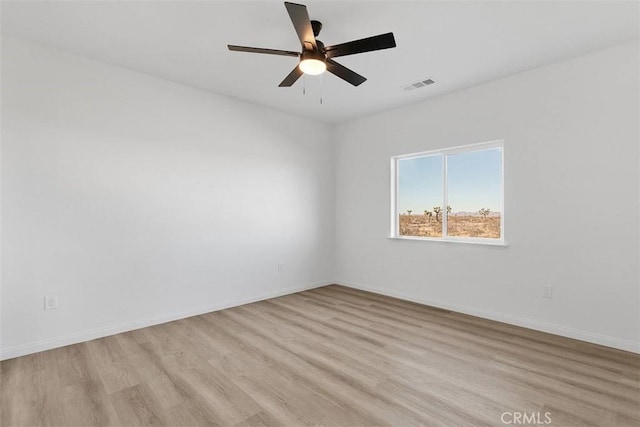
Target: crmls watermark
{"type": "Point", "coordinates": [526, 418]}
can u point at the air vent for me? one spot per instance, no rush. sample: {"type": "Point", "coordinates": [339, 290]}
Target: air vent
{"type": "Point", "coordinates": [419, 84]}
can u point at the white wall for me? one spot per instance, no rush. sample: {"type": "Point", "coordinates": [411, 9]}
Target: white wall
{"type": "Point", "coordinates": [571, 133]}
{"type": "Point", "coordinates": [136, 200]}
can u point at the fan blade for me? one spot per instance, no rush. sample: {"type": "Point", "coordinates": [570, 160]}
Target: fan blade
{"type": "Point", "coordinates": [261, 50]}
{"type": "Point", "coordinates": [382, 41]}
{"type": "Point", "coordinates": [302, 24]}
{"type": "Point", "coordinates": [344, 73]}
{"type": "Point", "coordinates": [291, 78]}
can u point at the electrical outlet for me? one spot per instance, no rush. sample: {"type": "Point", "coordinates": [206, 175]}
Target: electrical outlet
{"type": "Point", "coordinates": [280, 268]}
{"type": "Point", "coordinates": [50, 303]}
{"type": "Point", "coordinates": [547, 292]}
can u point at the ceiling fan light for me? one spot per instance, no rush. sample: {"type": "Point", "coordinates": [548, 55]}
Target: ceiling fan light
{"type": "Point", "coordinates": [313, 67]}
{"type": "Point", "coordinates": [312, 62]}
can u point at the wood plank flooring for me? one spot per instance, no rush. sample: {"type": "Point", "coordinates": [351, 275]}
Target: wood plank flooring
{"type": "Point", "coordinates": [331, 356]}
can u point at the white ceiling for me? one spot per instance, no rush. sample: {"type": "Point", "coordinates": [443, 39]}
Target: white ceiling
{"type": "Point", "coordinates": [458, 44]}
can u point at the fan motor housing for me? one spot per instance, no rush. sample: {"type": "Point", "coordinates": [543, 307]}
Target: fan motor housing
{"type": "Point", "coordinates": [313, 54]}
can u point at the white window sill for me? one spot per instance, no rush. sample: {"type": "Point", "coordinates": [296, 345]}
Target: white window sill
{"type": "Point", "coordinates": [472, 241]}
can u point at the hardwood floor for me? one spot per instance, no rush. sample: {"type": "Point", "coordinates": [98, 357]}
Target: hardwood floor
{"type": "Point", "coordinates": [330, 356]}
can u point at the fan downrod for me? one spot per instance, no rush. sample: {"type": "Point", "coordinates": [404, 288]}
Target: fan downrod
{"type": "Point", "coordinates": [317, 26]}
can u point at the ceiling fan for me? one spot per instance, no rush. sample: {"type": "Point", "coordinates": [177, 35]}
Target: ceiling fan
{"type": "Point", "coordinates": [315, 57]}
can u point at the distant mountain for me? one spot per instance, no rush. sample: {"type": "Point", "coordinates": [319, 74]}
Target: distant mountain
{"type": "Point", "coordinates": [463, 213]}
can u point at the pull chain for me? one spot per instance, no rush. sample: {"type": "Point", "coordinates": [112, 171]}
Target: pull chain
{"type": "Point", "coordinates": [321, 86]}
{"type": "Point", "coordinates": [304, 84]}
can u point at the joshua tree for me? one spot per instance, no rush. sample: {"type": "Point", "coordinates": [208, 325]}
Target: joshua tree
{"type": "Point", "coordinates": [409, 211]}
{"type": "Point", "coordinates": [484, 212]}
{"type": "Point", "coordinates": [448, 209]}
{"type": "Point", "coordinates": [428, 214]}
{"type": "Point", "coordinates": [438, 211]}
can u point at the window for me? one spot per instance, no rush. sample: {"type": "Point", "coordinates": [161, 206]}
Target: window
{"type": "Point", "coordinates": [454, 194]}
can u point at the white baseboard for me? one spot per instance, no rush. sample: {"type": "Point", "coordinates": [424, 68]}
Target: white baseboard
{"type": "Point", "coordinates": [564, 331]}
{"type": "Point", "coordinates": [61, 341]}
{"type": "Point", "coordinates": [87, 335]}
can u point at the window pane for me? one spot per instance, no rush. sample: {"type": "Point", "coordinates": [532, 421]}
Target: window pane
{"type": "Point", "coordinates": [419, 190]}
{"type": "Point", "coordinates": [474, 190]}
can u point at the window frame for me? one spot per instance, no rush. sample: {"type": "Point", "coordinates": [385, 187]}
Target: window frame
{"type": "Point", "coordinates": [481, 146]}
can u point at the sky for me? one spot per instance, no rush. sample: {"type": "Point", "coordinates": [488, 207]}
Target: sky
{"type": "Point", "coordinates": [473, 182]}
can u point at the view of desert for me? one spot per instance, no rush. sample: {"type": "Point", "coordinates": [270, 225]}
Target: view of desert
{"type": "Point", "coordinates": [463, 224]}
